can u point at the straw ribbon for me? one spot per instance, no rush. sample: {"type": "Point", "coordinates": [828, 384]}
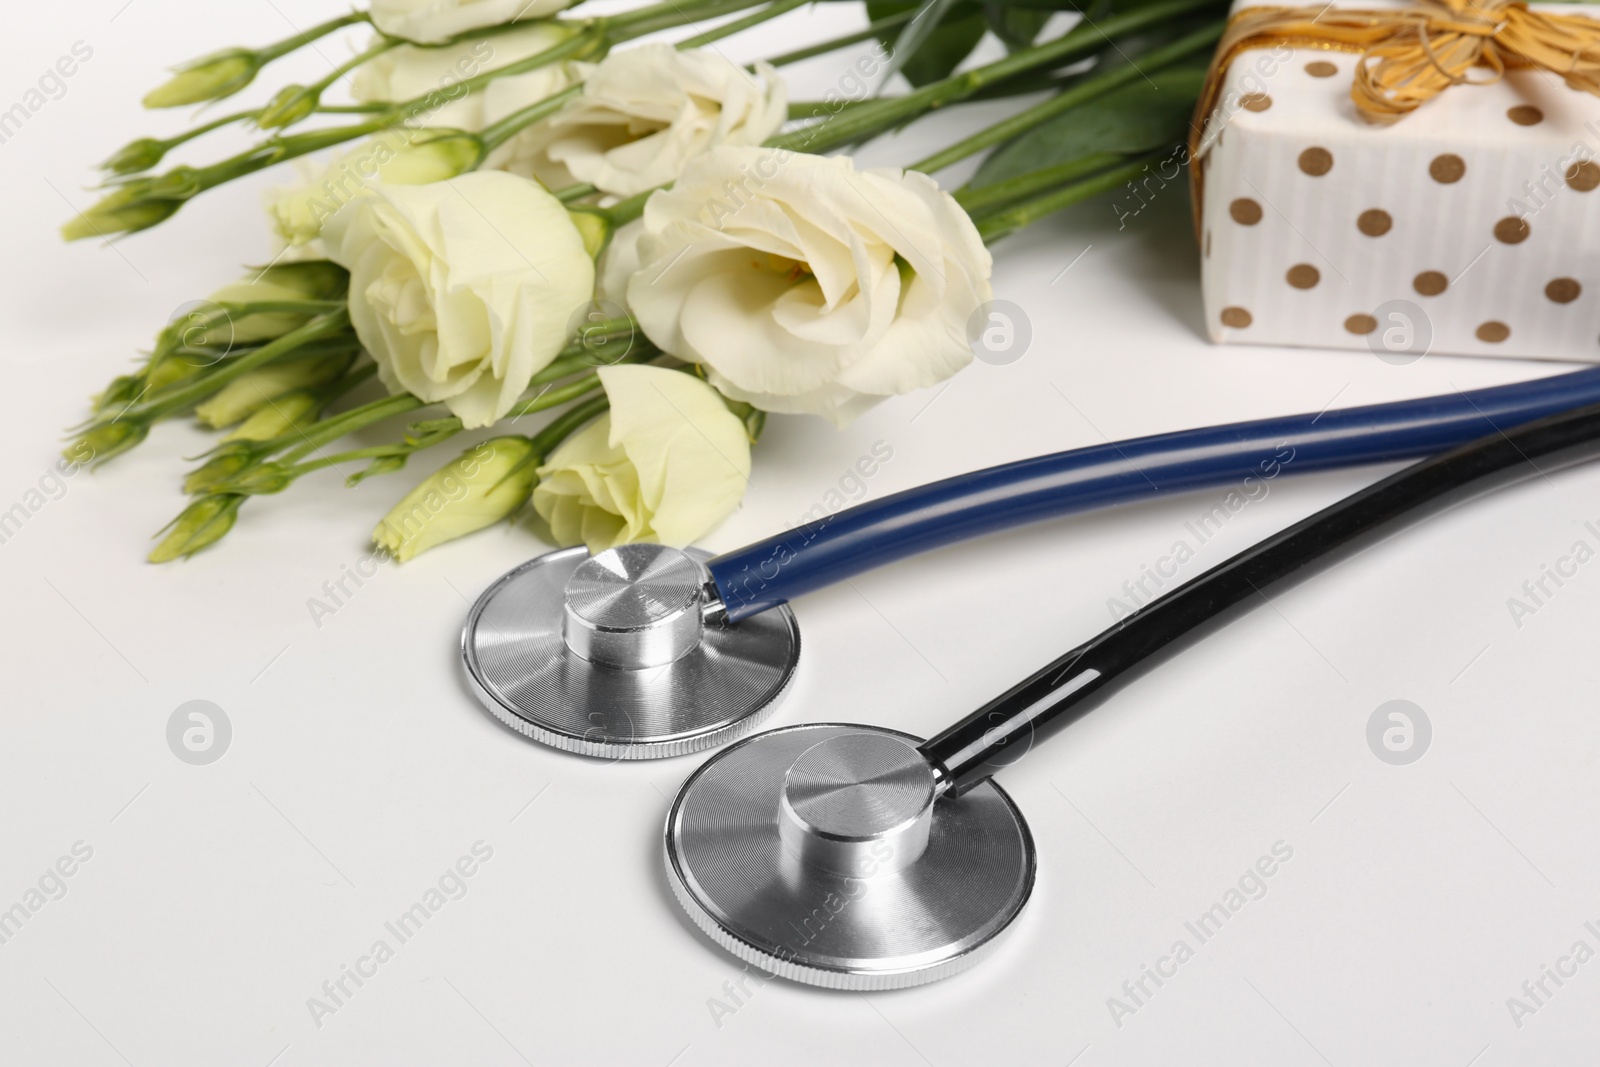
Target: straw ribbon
{"type": "Point", "coordinates": [1411, 55]}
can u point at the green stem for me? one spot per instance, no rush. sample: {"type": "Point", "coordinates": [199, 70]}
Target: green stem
{"type": "Point", "coordinates": [499, 133]}
{"type": "Point", "coordinates": [665, 16]}
{"type": "Point", "coordinates": [1085, 91]}
{"type": "Point", "coordinates": [978, 201]}
{"type": "Point", "coordinates": [301, 38]}
{"type": "Point", "coordinates": [190, 392]}
{"type": "Point", "coordinates": [756, 18]}
{"type": "Point", "coordinates": [874, 29]}
{"type": "Point", "coordinates": [575, 192]}
{"type": "Point", "coordinates": [1080, 41]}
{"type": "Point", "coordinates": [559, 428]}
{"type": "Point", "coordinates": [1015, 218]}
{"type": "Point", "coordinates": [383, 45]}
{"type": "Point", "coordinates": [326, 431]}
{"type": "Point", "coordinates": [439, 431]}
{"type": "Point", "coordinates": [811, 109]}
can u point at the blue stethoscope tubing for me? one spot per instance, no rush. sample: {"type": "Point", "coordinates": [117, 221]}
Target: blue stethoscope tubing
{"type": "Point", "coordinates": [767, 573]}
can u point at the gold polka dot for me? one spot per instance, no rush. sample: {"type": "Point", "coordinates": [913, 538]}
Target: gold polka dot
{"type": "Point", "coordinates": [1245, 212]}
{"type": "Point", "coordinates": [1493, 332]}
{"type": "Point", "coordinates": [1303, 276]}
{"type": "Point", "coordinates": [1316, 161]}
{"type": "Point", "coordinates": [1361, 324]}
{"type": "Point", "coordinates": [1511, 230]}
{"type": "Point", "coordinates": [1525, 115]}
{"type": "Point", "coordinates": [1563, 290]}
{"type": "Point", "coordinates": [1430, 283]}
{"type": "Point", "coordinates": [1374, 222]}
{"type": "Point", "coordinates": [1447, 169]}
{"type": "Point", "coordinates": [1583, 176]}
{"type": "Point", "coordinates": [1255, 101]}
{"type": "Point", "coordinates": [1321, 68]}
{"type": "Point", "coordinates": [1238, 318]}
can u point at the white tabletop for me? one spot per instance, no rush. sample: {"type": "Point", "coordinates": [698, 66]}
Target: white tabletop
{"type": "Point", "coordinates": [219, 899]}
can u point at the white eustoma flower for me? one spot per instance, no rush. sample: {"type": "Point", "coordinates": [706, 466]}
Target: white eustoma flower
{"type": "Point", "coordinates": [666, 464]}
{"type": "Point", "coordinates": [464, 289]}
{"type": "Point", "coordinates": [436, 21]}
{"type": "Point", "coordinates": [643, 114]}
{"type": "Point", "coordinates": [410, 73]}
{"type": "Point", "coordinates": [806, 286]}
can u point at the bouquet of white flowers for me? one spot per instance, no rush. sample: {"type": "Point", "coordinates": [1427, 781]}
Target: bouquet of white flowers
{"type": "Point", "coordinates": [522, 210]}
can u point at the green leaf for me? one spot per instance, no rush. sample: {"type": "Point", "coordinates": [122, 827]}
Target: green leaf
{"type": "Point", "coordinates": [929, 48]}
{"type": "Point", "coordinates": [1137, 118]}
{"type": "Point", "coordinates": [1017, 27]}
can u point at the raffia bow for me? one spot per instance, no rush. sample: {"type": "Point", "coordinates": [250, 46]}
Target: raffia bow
{"type": "Point", "coordinates": [1410, 55]}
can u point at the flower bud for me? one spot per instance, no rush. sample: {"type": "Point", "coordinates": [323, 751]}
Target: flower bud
{"type": "Point", "coordinates": [257, 389]}
{"type": "Point", "coordinates": [126, 209]}
{"type": "Point", "coordinates": [224, 464]}
{"type": "Point", "coordinates": [136, 156]}
{"type": "Point", "coordinates": [200, 524]}
{"type": "Point", "coordinates": [122, 390]}
{"type": "Point", "coordinates": [99, 443]}
{"type": "Point", "coordinates": [167, 369]}
{"type": "Point", "coordinates": [283, 415]}
{"type": "Point", "coordinates": [479, 488]}
{"type": "Point", "coordinates": [258, 480]}
{"type": "Point", "coordinates": [293, 103]}
{"type": "Point", "coordinates": [399, 156]}
{"type": "Point", "coordinates": [207, 78]}
{"type": "Point", "coordinates": [594, 227]}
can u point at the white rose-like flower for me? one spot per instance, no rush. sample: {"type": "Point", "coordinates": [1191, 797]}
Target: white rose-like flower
{"type": "Point", "coordinates": [436, 21]}
{"type": "Point", "coordinates": [643, 114]}
{"type": "Point", "coordinates": [409, 73]}
{"type": "Point", "coordinates": [806, 286]}
{"type": "Point", "coordinates": [666, 464]}
{"type": "Point", "coordinates": [464, 289]}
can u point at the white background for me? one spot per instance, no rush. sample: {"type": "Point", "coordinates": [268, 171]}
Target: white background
{"type": "Point", "coordinates": [220, 898]}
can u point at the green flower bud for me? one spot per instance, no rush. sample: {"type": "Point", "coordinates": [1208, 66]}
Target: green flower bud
{"type": "Point", "coordinates": [595, 227]}
{"type": "Point", "coordinates": [381, 465]}
{"type": "Point", "coordinates": [202, 523]}
{"type": "Point", "coordinates": [223, 465]}
{"type": "Point", "coordinates": [297, 409]}
{"type": "Point", "coordinates": [99, 443]}
{"type": "Point", "coordinates": [258, 480]}
{"type": "Point", "coordinates": [207, 78]}
{"type": "Point", "coordinates": [126, 209]}
{"type": "Point", "coordinates": [313, 279]}
{"type": "Point", "coordinates": [257, 389]}
{"type": "Point", "coordinates": [477, 489]}
{"type": "Point", "coordinates": [170, 369]}
{"type": "Point", "coordinates": [121, 391]}
{"type": "Point", "coordinates": [136, 156]}
{"type": "Point", "coordinates": [293, 103]}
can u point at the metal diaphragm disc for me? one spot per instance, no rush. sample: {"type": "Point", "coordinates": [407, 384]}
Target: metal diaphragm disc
{"type": "Point", "coordinates": [732, 873]}
{"type": "Point", "coordinates": [522, 669]}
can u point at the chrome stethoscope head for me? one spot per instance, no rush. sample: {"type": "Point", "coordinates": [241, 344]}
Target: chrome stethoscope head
{"type": "Point", "coordinates": [624, 654]}
{"type": "Point", "coordinates": [826, 854]}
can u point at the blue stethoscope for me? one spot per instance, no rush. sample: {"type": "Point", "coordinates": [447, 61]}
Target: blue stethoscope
{"type": "Point", "coordinates": [858, 857]}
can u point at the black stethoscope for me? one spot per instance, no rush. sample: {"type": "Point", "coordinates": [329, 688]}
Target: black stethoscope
{"type": "Point", "coordinates": [859, 857]}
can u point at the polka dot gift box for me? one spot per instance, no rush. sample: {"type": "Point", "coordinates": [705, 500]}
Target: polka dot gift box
{"type": "Point", "coordinates": [1466, 221]}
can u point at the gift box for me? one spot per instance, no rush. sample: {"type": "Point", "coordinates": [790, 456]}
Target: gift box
{"type": "Point", "coordinates": [1466, 222]}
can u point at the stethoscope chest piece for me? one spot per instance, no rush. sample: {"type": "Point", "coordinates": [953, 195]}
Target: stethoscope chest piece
{"type": "Point", "coordinates": [820, 853]}
{"type": "Point", "coordinates": [622, 654]}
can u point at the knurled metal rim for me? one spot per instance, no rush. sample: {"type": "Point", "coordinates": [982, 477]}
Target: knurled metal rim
{"type": "Point", "coordinates": [631, 750]}
{"type": "Point", "coordinates": [827, 977]}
